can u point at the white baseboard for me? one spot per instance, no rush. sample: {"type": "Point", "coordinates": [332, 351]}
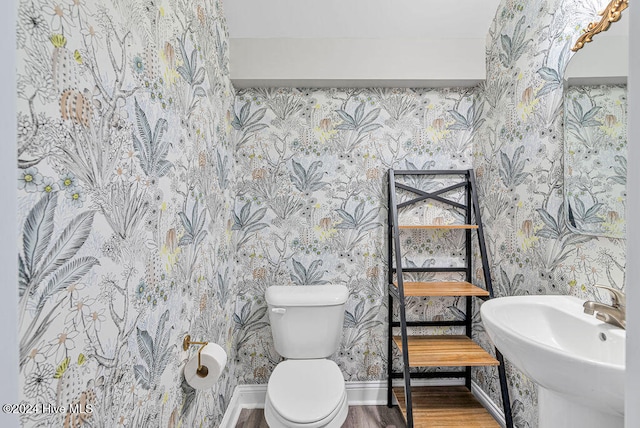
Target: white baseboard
{"type": "Point", "coordinates": [231, 415]}
{"type": "Point", "coordinates": [244, 397]}
{"type": "Point", "coordinates": [366, 393]}
{"type": "Point", "coordinates": [374, 393]}
{"type": "Point", "coordinates": [488, 403]}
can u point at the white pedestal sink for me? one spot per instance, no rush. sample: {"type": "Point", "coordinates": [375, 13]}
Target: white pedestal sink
{"type": "Point", "coordinates": [577, 361]}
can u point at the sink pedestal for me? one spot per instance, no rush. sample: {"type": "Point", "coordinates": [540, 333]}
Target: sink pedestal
{"type": "Point", "coordinates": [557, 410]}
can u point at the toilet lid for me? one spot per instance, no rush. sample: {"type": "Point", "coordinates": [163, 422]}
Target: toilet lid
{"type": "Point", "coordinates": [306, 391]}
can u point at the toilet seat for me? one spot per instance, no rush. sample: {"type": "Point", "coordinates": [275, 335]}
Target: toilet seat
{"type": "Point", "coordinates": [306, 393]}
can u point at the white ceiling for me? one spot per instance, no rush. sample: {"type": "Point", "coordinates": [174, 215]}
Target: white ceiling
{"type": "Point", "coordinates": [358, 42]}
{"type": "Point", "coordinates": [368, 19]}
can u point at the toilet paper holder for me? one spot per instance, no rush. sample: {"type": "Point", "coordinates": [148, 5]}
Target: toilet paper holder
{"type": "Point", "coordinates": [202, 371]}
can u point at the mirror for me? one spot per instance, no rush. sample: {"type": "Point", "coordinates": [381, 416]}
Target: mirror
{"type": "Point", "coordinates": [595, 134]}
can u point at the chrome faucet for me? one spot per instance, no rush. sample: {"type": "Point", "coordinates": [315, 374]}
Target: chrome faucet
{"type": "Point", "coordinates": [614, 314]}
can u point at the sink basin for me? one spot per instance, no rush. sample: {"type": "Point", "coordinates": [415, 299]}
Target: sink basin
{"type": "Point", "coordinates": [577, 361]}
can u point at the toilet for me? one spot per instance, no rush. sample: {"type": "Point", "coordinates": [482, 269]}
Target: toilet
{"type": "Point", "coordinates": [306, 390]}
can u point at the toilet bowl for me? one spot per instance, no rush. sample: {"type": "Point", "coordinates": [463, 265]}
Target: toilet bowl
{"type": "Point", "coordinates": [306, 393]}
{"type": "Point", "coordinates": [306, 390]}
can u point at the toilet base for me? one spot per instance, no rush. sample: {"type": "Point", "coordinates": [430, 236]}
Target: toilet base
{"type": "Point", "coordinates": [275, 421]}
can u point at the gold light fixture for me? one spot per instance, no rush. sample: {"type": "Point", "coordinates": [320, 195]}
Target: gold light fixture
{"type": "Point", "coordinates": [611, 13]}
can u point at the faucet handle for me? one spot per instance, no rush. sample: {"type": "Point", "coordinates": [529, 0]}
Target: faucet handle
{"type": "Point", "coordinates": [618, 299]}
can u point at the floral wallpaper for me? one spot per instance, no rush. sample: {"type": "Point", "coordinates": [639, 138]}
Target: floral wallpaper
{"type": "Point", "coordinates": [125, 178]}
{"type": "Point", "coordinates": [312, 205]}
{"type": "Point", "coordinates": [155, 201]}
{"type": "Point", "coordinates": [308, 212]}
{"type": "Point", "coordinates": [520, 170]}
{"type": "Point", "coordinates": [596, 159]}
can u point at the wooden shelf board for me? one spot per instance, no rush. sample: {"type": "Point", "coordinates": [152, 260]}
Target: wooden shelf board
{"type": "Point", "coordinates": [447, 350]}
{"type": "Point", "coordinates": [446, 288]}
{"type": "Point", "coordinates": [444, 226]}
{"type": "Point", "coordinates": [445, 406]}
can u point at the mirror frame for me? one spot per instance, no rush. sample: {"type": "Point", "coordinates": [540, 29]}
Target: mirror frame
{"type": "Point", "coordinates": [612, 13]}
{"type": "Point", "coordinates": [608, 73]}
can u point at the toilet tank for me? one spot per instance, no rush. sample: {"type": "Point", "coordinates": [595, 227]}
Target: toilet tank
{"type": "Point", "coordinates": [306, 320]}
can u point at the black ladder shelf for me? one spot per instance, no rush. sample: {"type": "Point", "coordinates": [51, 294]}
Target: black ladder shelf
{"type": "Point", "coordinates": [449, 405]}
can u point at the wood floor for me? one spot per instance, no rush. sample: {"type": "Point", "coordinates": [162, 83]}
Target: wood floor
{"type": "Point", "coordinates": [433, 407]}
{"type": "Point", "coordinates": [358, 417]}
{"type": "Point", "coordinates": [446, 406]}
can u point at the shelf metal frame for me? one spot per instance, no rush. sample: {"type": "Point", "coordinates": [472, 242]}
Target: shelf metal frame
{"type": "Point", "coordinates": [471, 209]}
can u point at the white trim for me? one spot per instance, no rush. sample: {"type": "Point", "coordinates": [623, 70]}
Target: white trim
{"type": "Point", "coordinates": [374, 393]}
{"type": "Point", "coordinates": [365, 393]}
{"type": "Point", "coordinates": [488, 403]}
{"type": "Point", "coordinates": [632, 374]}
{"type": "Point", "coordinates": [9, 392]}
{"type": "Point", "coordinates": [244, 397]}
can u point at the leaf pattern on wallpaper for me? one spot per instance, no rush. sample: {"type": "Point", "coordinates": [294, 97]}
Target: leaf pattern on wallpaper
{"type": "Point", "coordinates": [595, 177]}
{"type": "Point", "coordinates": [194, 226]}
{"type": "Point", "coordinates": [248, 322]}
{"type": "Point", "coordinates": [38, 229]}
{"type": "Point", "coordinates": [356, 225]}
{"type": "Point", "coordinates": [65, 276]}
{"type": "Point", "coordinates": [457, 313]}
{"type": "Point", "coordinates": [222, 44]}
{"type": "Point", "coordinates": [512, 171]}
{"type": "Point", "coordinates": [51, 262]}
{"type": "Point", "coordinates": [247, 121]}
{"type": "Point", "coordinates": [222, 169]}
{"type": "Point", "coordinates": [151, 148]}
{"type": "Point", "coordinates": [37, 235]}
{"type": "Point", "coordinates": [531, 172]}
{"type": "Point", "coordinates": [472, 120]}
{"type": "Point", "coordinates": [580, 118]}
{"type": "Point", "coordinates": [189, 398]}
{"type": "Point", "coordinates": [248, 222]}
{"type": "Point", "coordinates": [552, 79]}
{"type": "Point", "coordinates": [357, 125]}
{"type": "Point", "coordinates": [247, 124]}
{"type": "Point", "coordinates": [468, 124]}
{"type": "Point", "coordinates": [66, 246]}
{"type": "Point", "coordinates": [308, 276]}
{"type": "Point", "coordinates": [359, 121]}
{"type": "Point", "coordinates": [512, 287]}
{"type": "Point", "coordinates": [620, 170]}
{"type": "Point", "coordinates": [396, 104]}
{"type": "Point", "coordinates": [555, 228]}
{"type": "Point", "coordinates": [223, 289]}
{"type": "Point", "coordinates": [285, 206]}
{"type": "Point", "coordinates": [154, 351]}
{"type": "Point", "coordinates": [312, 210]}
{"type": "Point", "coordinates": [125, 208]}
{"type": "Point", "coordinates": [359, 322]}
{"type": "Point", "coordinates": [125, 178]}
{"type": "Point", "coordinates": [77, 122]}
{"type": "Point", "coordinates": [519, 414]}
{"type": "Point", "coordinates": [553, 76]}
{"type": "Point", "coordinates": [358, 219]}
{"type": "Point", "coordinates": [308, 180]}
{"type": "Point", "coordinates": [283, 105]}
{"type": "Point", "coordinates": [579, 215]}
{"type": "Point", "coordinates": [514, 46]}
{"type": "Point", "coordinates": [191, 73]}
{"type": "Point", "coordinates": [426, 183]}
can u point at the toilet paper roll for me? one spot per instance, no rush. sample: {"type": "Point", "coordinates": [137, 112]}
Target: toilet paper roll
{"type": "Point", "coordinates": [213, 360]}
